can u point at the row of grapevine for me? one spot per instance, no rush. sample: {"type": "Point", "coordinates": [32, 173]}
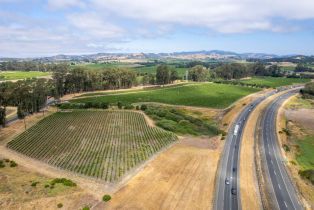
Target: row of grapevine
{"type": "Point", "coordinates": [100, 144]}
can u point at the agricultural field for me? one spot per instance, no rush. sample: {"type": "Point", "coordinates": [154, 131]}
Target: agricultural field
{"type": "Point", "coordinates": [99, 144]}
{"type": "Point", "coordinates": [305, 157]}
{"type": "Point", "coordinates": [100, 66]}
{"type": "Point", "coordinates": [15, 75]}
{"type": "Point", "coordinates": [192, 94]}
{"type": "Point", "coordinates": [141, 69]}
{"type": "Point", "coordinates": [274, 81]}
{"type": "Point", "coordinates": [152, 70]}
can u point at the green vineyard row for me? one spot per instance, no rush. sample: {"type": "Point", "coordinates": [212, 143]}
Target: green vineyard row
{"type": "Point", "coordinates": [100, 144]}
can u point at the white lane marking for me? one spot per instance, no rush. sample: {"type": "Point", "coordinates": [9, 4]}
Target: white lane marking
{"type": "Point", "coordinates": [272, 162]}
{"type": "Point", "coordinates": [275, 172]}
{"type": "Point", "coordinates": [279, 186]}
{"type": "Point", "coordinates": [285, 204]}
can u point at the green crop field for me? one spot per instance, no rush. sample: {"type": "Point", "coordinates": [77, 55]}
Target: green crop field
{"type": "Point", "coordinates": [100, 66]}
{"type": "Point", "coordinates": [101, 144]}
{"type": "Point", "coordinates": [14, 75]}
{"type": "Point", "coordinates": [274, 81]}
{"type": "Point", "coordinates": [136, 67]}
{"type": "Point", "coordinates": [152, 70]}
{"type": "Point", "coordinates": [306, 155]}
{"type": "Point", "coordinates": [192, 94]}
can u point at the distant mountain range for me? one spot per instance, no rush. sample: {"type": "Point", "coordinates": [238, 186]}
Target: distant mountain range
{"type": "Point", "coordinates": [189, 55]}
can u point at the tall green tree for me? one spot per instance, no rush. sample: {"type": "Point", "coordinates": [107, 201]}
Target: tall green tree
{"type": "Point", "coordinates": [163, 74]}
{"type": "Point", "coordinates": [198, 73]}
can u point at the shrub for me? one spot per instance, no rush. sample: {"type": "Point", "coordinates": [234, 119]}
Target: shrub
{"type": "Point", "coordinates": [137, 107]}
{"type": "Point", "coordinates": [7, 160]}
{"type": "Point", "coordinates": [88, 105]}
{"type": "Point", "coordinates": [2, 164]}
{"type": "Point", "coordinates": [104, 105]}
{"type": "Point", "coordinates": [64, 181]}
{"type": "Point", "coordinates": [143, 107]}
{"type": "Point", "coordinates": [119, 104]}
{"type": "Point", "coordinates": [86, 208]}
{"type": "Point", "coordinates": [287, 131]}
{"type": "Point", "coordinates": [60, 205]}
{"type": "Point", "coordinates": [307, 174]}
{"type": "Point", "coordinates": [106, 198]}
{"type": "Point", "coordinates": [34, 184]}
{"type": "Point", "coordinates": [129, 106]}
{"type": "Point", "coordinates": [286, 148]}
{"type": "Point", "coordinates": [47, 185]}
{"type": "Point", "coordinates": [184, 123]}
{"type": "Point", "coordinates": [13, 163]}
{"type": "Point", "coordinates": [167, 124]}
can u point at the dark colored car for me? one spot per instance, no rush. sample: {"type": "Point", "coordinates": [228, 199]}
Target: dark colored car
{"type": "Point", "coordinates": [233, 191]}
{"type": "Point", "coordinates": [227, 182]}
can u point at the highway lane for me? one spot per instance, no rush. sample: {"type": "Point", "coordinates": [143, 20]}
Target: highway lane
{"type": "Point", "coordinates": [228, 177]}
{"type": "Point", "coordinates": [284, 191]}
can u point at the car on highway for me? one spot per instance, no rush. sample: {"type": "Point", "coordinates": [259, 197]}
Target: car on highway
{"type": "Point", "coordinates": [234, 169]}
{"type": "Point", "coordinates": [227, 181]}
{"type": "Point", "coordinates": [233, 191]}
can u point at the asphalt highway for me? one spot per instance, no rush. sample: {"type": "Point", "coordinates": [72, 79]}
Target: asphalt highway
{"type": "Point", "coordinates": [227, 187]}
{"type": "Point", "coordinates": [285, 194]}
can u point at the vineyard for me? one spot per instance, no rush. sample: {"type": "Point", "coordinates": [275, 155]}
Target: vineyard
{"type": "Point", "coordinates": [100, 144]}
{"type": "Point", "coordinates": [191, 94]}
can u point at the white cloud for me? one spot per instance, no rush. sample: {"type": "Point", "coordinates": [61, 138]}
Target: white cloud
{"type": "Point", "coordinates": [62, 4]}
{"type": "Point", "coordinates": [228, 16]}
{"type": "Point", "coordinates": [95, 25]}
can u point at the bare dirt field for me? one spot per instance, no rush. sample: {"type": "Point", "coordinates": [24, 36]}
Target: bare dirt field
{"type": "Point", "coordinates": [180, 178]}
{"type": "Point", "coordinates": [303, 118]}
{"type": "Point", "coordinates": [16, 192]}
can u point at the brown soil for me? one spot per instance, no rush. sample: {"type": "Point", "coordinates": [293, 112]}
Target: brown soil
{"type": "Point", "coordinates": [303, 118]}
{"type": "Point", "coordinates": [180, 178]}
{"type": "Point", "coordinates": [16, 192]}
{"type": "Point", "coordinates": [148, 120]}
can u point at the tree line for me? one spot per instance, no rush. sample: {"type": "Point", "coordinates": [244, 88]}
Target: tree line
{"type": "Point", "coordinates": [27, 66]}
{"type": "Point", "coordinates": [31, 95]}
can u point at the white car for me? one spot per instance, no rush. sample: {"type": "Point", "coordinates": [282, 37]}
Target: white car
{"type": "Point", "coordinates": [227, 181]}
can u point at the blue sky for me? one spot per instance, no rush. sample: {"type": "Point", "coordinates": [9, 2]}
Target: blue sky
{"type": "Point", "coordinates": [48, 27]}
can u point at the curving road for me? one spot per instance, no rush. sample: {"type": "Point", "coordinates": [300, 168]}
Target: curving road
{"type": "Point", "coordinates": [285, 194]}
{"type": "Point", "coordinates": [227, 187]}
